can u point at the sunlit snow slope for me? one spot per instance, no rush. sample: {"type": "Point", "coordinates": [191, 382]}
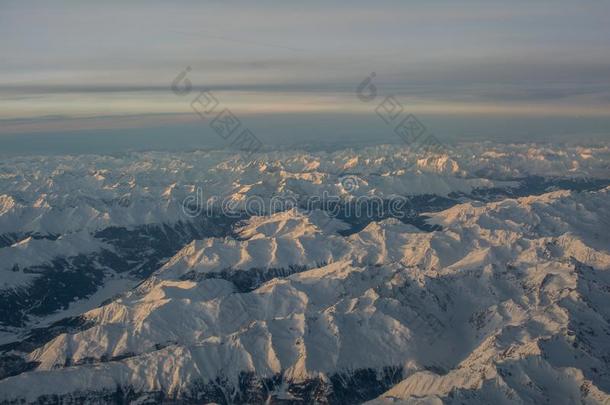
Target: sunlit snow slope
{"type": "Point", "coordinates": [494, 289]}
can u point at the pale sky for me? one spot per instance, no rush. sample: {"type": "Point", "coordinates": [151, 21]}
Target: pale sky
{"type": "Point", "coordinates": [82, 66]}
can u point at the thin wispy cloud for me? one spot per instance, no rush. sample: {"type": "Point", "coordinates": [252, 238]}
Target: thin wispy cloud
{"type": "Point", "coordinates": [98, 59]}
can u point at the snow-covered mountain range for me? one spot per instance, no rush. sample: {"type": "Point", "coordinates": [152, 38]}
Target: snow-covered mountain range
{"type": "Point", "coordinates": [493, 287]}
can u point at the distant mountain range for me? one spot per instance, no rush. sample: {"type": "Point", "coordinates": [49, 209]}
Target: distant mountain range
{"type": "Point", "coordinates": [488, 284]}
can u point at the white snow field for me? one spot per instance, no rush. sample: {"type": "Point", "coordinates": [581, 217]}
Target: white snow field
{"type": "Point", "coordinates": [494, 290]}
